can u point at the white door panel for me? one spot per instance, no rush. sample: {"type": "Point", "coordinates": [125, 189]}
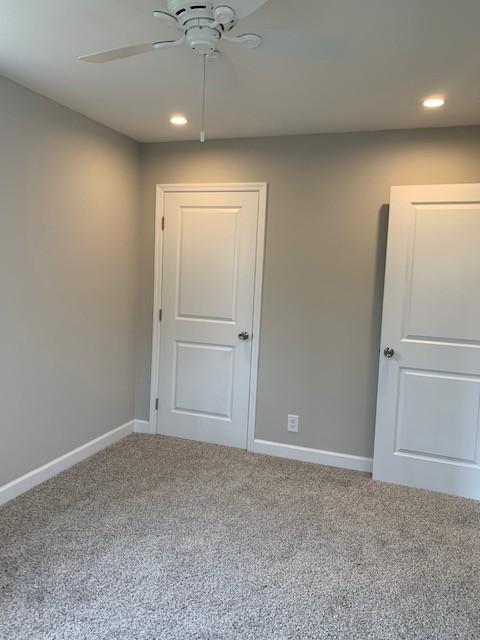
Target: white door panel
{"type": "Point", "coordinates": [203, 379]}
{"type": "Point", "coordinates": [445, 258]}
{"type": "Point", "coordinates": [207, 261]}
{"type": "Point", "coordinates": [438, 415]}
{"type": "Point", "coordinates": [428, 409]}
{"type": "Point", "coordinates": [210, 244]}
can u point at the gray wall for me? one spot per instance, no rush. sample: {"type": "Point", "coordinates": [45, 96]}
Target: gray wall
{"type": "Point", "coordinates": [324, 263]}
{"type": "Point", "coordinates": [68, 269]}
{"type": "Point", "coordinates": [71, 236]}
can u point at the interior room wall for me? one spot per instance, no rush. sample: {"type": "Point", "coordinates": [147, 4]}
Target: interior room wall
{"type": "Point", "coordinates": [68, 276]}
{"type": "Point", "coordinates": [324, 264]}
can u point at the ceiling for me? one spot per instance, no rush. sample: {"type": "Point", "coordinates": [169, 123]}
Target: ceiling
{"type": "Point", "coordinates": [325, 65]}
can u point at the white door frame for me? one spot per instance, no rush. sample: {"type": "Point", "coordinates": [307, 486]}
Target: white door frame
{"type": "Point", "coordinates": [162, 189]}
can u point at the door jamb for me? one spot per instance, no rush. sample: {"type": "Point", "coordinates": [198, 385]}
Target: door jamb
{"type": "Point", "coordinates": [161, 190]}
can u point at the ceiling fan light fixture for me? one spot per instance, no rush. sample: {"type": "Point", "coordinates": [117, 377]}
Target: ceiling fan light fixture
{"type": "Point", "coordinates": [178, 120]}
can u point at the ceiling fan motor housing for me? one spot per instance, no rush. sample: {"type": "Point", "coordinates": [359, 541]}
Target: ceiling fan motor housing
{"type": "Point", "coordinates": [180, 7]}
{"type": "Point", "coordinates": [195, 19]}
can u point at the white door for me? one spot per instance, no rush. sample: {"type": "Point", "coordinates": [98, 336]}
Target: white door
{"type": "Point", "coordinates": [428, 411]}
{"type": "Point", "coordinates": [209, 255]}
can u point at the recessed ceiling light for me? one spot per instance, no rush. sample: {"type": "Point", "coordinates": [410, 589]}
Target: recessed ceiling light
{"type": "Point", "coordinates": [178, 120]}
{"type": "Point", "coordinates": [433, 103]}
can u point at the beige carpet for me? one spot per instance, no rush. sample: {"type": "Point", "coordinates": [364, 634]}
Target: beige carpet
{"type": "Point", "coordinates": [158, 539]}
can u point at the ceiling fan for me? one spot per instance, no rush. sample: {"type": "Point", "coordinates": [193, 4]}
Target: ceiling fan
{"type": "Point", "coordinates": [203, 24]}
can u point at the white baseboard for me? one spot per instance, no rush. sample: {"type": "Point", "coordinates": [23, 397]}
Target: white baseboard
{"type": "Point", "coordinates": [317, 456]}
{"type": "Point", "coordinates": [47, 471]}
{"type": "Point", "coordinates": [142, 426]}
{"type": "Point", "coordinates": [53, 468]}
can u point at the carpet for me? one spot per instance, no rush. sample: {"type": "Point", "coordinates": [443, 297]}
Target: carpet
{"type": "Point", "coordinates": [162, 539]}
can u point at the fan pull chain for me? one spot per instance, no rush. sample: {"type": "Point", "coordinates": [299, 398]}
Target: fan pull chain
{"type": "Point", "coordinates": [202, 132]}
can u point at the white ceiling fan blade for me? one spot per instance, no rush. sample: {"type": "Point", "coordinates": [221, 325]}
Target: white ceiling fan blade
{"type": "Point", "coordinates": [247, 40]}
{"type": "Point", "coordinates": [165, 16]}
{"type": "Point", "coordinates": [127, 52]}
{"type": "Point", "coordinates": [242, 8]}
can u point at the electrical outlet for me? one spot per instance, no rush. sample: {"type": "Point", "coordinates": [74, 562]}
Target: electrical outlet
{"type": "Point", "coordinates": [292, 424]}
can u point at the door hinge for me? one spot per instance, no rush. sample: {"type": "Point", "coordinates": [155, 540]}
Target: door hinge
{"type": "Point", "coordinates": [160, 315]}
{"type": "Point", "coordinates": [163, 223]}
{"type": "Point", "coordinates": [156, 404]}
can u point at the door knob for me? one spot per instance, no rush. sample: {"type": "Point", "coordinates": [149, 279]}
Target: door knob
{"type": "Point", "coordinates": [243, 335]}
{"type": "Point", "coordinates": [389, 352]}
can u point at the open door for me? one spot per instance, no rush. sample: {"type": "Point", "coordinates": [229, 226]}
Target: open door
{"type": "Point", "coordinates": [428, 409]}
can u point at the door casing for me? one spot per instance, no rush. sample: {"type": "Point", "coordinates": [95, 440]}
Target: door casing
{"type": "Point", "coordinates": [161, 190]}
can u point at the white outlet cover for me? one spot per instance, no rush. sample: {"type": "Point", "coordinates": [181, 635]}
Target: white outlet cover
{"type": "Point", "coordinates": [292, 424]}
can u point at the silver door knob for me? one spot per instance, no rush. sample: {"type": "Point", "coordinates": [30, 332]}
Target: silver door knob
{"type": "Point", "coordinates": [243, 335]}
{"type": "Point", "coordinates": [389, 352]}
